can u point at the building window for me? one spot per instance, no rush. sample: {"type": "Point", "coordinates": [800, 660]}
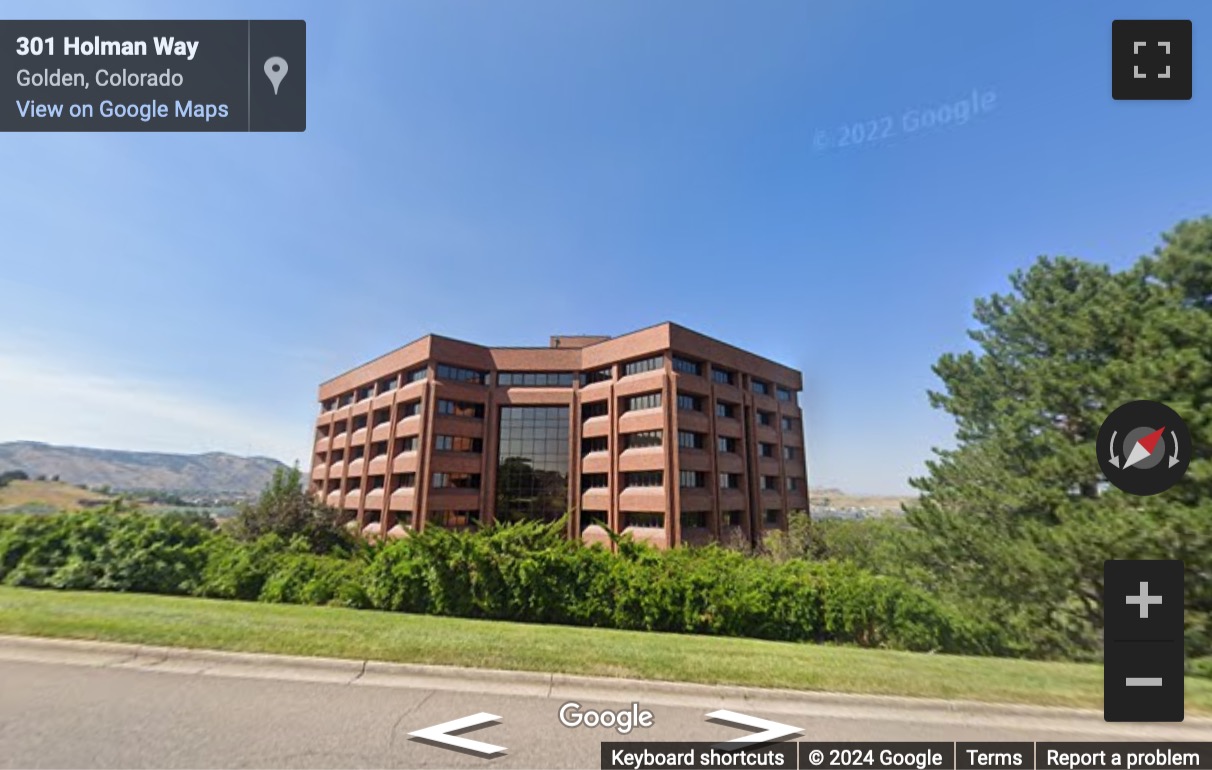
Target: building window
{"type": "Point", "coordinates": [378, 449]}
{"type": "Point", "coordinates": [359, 422]}
{"type": "Point", "coordinates": [770, 482]}
{"type": "Point", "coordinates": [725, 409]}
{"type": "Point", "coordinates": [645, 520]}
{"type": "Point", "coordinates": [382, 415]}
{"type": "Point", "coordinates": [686, 366]}
{"type": "Point", "coordinates": [783, 394]}
{"type": "Point", "coordinates": [388, 384]}
{"type": "Point", "coordinates": [345, 400]}
{"type": "Point", "coordinates": [406, 444]}
{"type": "Point", "coordinates": [459, 374]}
{"type": "Point", "coordinates": [455, 519]}
{"type": "Point", "coordinates": [765, 418]}
{"type": "Point", "coordinates": [417, 375]}
{"type": "Point", "coordinates": [643, 365]}
{"type": "Point", "coordinates": [694, 520]}
{"type": "Point", "coordinates": [772, 517]}
{"type": "Point", "coordinates": [403, 519]}
{"type": "Point", "coordinates": [725, 444]}
{"type": "Point", "coordinates": [357, 452]}
{"type": "Point", "coordinates": [535, 379]}
{"type": "Point", "coordinates": [532, 474]}
{"type": "Point", "coordinates": [456, 481]}
{"type": "Point", "coordinates": [404, 480]}
{"type": "Point", "coordinates": [688, 403]}
{"type": "Point", "coordinates": [365, 392]}
{"type": "Point", "coordinates": [765, 450]}
{"type": "Point", "coordinates": [793, 485]}
{"type": "Point", "coordinates": [353, 485]}
{"type": "Point", "coordinates": [339, 428]}
{"type": "Point", "coordinates": [594, 409]}
{"type": "Point", "coordinates": [690, 440]}
{"type": "Point", "coordinates": [788, 453]}
{"type": "Point", "coordinates": [338, 455]}
{"type": "Point", "coordinates": [642, 440]}
{"type": "Point", "coordinates": [460, 408]}
{"type": "Point", "coordinates": [788, 423]}
{"type": "Point", "coordinates": [599, 375]}
{"type": "Point", "coordinates": [722, 376]}
{"type": "Point", "coordinates": [643, 479]}
{"type": "Point", "coordinates": [732, 518]}
{"type": "Point", "coordinates": [376, 482]}
{"type": "Point", "coordinates": [408, 409]}
{"type": "Point", "coordinates": [730, 481]}
{"type": "Point", "coordinates": [595, 444]}
{"type": "Point", "coordinates": [760, 386]}
{"type": "Point", "coordinates": [693, 479]}
{"type": "Point", "coordinates": [328, 406]}
{"type": "Point", "coordinates": [594, 481]}
{"type": "Point", "coordinates": [590, 518]}
{"type": "Point", "coordinates": [457, 444]}
{"type": "Point", "coordinates": [646, 401]}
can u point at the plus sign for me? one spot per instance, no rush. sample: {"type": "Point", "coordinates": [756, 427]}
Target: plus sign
{"type": "Point", "coordinates": [1144, 600]}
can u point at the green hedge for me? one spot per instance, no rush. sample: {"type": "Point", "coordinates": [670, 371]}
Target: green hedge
{"type": "Point", "coordinates": [526, 572]}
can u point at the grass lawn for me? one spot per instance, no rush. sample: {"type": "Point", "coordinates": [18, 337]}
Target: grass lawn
{"type": "Point", "coordinates": [364, 634]}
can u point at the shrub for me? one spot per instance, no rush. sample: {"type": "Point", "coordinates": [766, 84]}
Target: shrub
{"type": "Point", "coordinates": [525, 572]}
{"type": "Point", "coordinates": [237, 570]}
{"type": "Point", "coordinates": [287, 510]}
{"type": "Point", "coordinates": [305, 578]}
{"type": "Point", "coordinates": [104, 549]}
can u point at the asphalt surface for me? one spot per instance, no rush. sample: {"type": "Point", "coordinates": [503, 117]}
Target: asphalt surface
{"type": "Point", "coordinates": [90, 715]}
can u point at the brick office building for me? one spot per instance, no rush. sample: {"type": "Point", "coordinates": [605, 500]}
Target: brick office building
{"type": "Point", "coordinates": [624, 431]}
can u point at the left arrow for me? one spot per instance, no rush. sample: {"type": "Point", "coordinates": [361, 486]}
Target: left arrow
{"type": "Point", "coordinates": [442, 734]}
{"type": "Point", "coordinates": [770, 731]}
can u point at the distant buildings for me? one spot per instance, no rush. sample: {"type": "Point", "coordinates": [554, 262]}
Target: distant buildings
{"type": "Point", "coordinates": [664, 433]}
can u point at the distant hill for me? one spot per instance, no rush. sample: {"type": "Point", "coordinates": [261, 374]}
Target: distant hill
{"type": "Point", "coordinates": [829, 499]}
{"type": "Point", "coordinates": [214, 472]}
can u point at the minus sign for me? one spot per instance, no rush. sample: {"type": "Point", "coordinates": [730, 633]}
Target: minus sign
{"type": "Point", "coordinates": [1142, 640]}
{"type": "Point", "coordinates": [1143, 681]}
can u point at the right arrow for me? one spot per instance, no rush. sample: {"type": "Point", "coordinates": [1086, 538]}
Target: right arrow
{"type": "Point", "coordinates": [1174, 458]}
{"type": "Point", "coordinates": [771, 731]}
{"type": "Point", "coordinates": [442, 734]}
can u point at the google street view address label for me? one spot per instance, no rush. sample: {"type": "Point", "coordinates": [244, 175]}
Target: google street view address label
{"type": "Point", "coordinates": [153, 75]}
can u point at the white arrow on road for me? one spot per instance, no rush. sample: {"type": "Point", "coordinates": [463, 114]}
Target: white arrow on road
{"type": "Point", "coordinates": [771, 731]}
{"type": "Point", "coordinates": [442, 733]}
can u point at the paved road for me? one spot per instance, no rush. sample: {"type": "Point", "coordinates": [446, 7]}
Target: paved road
{"type": "Point", "coordinates": [56, 714]}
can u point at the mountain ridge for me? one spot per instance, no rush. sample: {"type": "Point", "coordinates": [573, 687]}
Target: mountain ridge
{"type": "Point", "coordinates": [120, 469]}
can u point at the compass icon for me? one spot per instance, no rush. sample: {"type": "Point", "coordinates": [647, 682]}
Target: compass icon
{"type": "Point", "coordinates": [1144, 447]}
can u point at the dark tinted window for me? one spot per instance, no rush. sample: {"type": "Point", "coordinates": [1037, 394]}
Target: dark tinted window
{"type": "Point", "coordinates": [643, 365]}
{"type": "Point", "coordinates": [594, 409]}
{"type": "Point", "coordinates": [690, 403]}
{"type": "Point", "coordinates": [599, 375]}
{"type": "Point", "coordinates": [459, 374]}
{"type": "Point", "coordinates": [647, 438]}
{"type": "Point", "coordinates": [536, 379]}
{"type": "Point", "coordinates": [646, 401]}
{"type": "Point", "coordinates": [686, 366]}
{"type": "Point", "coordinates": [644, 479]}
{"type": "Point", "coordinates": [690, 440]}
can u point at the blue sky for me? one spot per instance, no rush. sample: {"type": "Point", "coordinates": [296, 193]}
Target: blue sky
{"type": "Point", "coordinates": [504, 171]}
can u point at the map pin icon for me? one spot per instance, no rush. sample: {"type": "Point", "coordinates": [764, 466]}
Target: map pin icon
{"type": "Point", "coordinates": [275, 70]}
